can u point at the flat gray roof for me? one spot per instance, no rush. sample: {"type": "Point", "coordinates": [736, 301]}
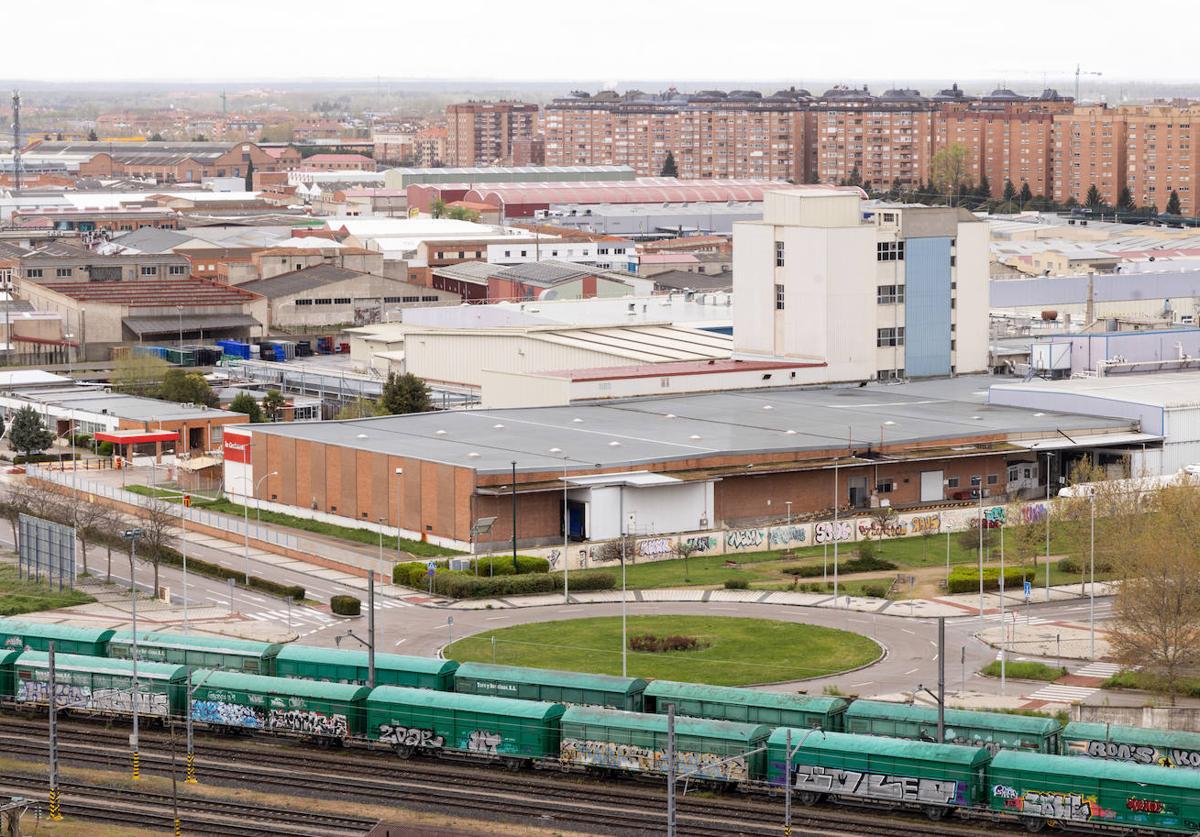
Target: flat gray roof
{"type": "Point", "coordinates": [636, 432]}
{"type": "Point", "coordinates": [134, 407]}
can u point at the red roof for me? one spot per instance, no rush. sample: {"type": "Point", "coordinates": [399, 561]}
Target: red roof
{"type": "Point", "coordinates": [153, 292]}
{"type": "Point", "coordinates": [136, 437]}
{"type": "Point", "coordinates": [338, 158]}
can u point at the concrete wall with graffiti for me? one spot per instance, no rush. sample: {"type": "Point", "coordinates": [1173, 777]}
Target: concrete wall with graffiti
{"type": "Point", "coordinates": [82, 696]}
{"type": "Point", "coordinates": [793, 536]}
{"type": "Point", "coordinates": [607, 754]}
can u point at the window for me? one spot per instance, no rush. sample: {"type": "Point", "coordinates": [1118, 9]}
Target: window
{"type": "Point", "coordinates": [177, 270]}
{"type": "Point", "coordinates": [325, 301]}
{"type": "Point", "coordinates": [524, 253]}
{"type": "Point", "coordinates": [889, 251]}
{"type": "Point", "coordinates": [779, 298]}
{"type": "Point", "coordinates": [889, 336]}
{"type": "Point", "coordinates": [429, 299]}
{"type": "Point", "coordinates": [508, 254]}
{"type": "Point", "coordinates": [993, 479]}
{"type": "Point", "coordinates": [952, 482]}
{"type": "Point", "coordinates": [889, 375]}
{"type": "Point", "coordinates": [462, 254]}
{"type": "Point", "coordinates": [33, 273]}
{"type": "Point", "coordinates": [1012, 474]}
{"type": "Point", "coordinates": [149, 270]}
{"type": "Point", "coordinates": [889, 294]}
{"type": "Point", "coordinates": [304, 302]}
{"type": "Point", "coordinates": [885, 487]}
{"type": "Point", "coordinates": [779, 254]}
{"type": "Point", "coordinates": [63, 272]}
{"type": "Point", "coordinates": [410, 299]}
{"type": "Point", "coordinates": [341, 300]}
{"type": "Point", "coordinates": [442, 255]}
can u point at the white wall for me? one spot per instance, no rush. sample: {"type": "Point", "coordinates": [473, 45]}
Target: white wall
{"type": "Point", "coordinates": [971, 292]}
{"type": "Point", "coordinates": [654, 509]}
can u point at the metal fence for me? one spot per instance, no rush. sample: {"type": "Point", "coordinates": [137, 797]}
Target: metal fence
{"type": "Point", "coordinates": [200, 516]}
{"type": "Point", "coordinates": [46, 550]}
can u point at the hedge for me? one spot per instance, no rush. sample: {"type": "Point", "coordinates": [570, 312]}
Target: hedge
{"type": "Point", "coordinates": [462, 585]}
{"type": "Point", "coordinates": [345, 605]}
{"type": "Point", "coordinates": [854, 565]}
{"type": "Point", "coordinates": [23, 458]}
{"type": "Point", "coordinates": [966, 579]}
{"type": "Point", "coordinates": [415, 573]}
{"type": "Point", "coordinates": [737, 584]}
{"type": "Point", "coordinates": [1070, 565]}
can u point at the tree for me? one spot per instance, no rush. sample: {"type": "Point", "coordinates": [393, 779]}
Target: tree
{"type": "Point", "coordinates": [157, 521]}
{"type": "Point", "coordinates": [897, 188]}
{"type": "Point", "coordinates": [684, 549]}
{"type": "Point", "coordinates": [89, 519]}
{"type": "Point", "coordinates": [1173, 206]}
{"type": "Point", "coordinates": [139, 374]}
{"type": "Point", "coordinates": [249, 175]}
{"type": "Point", "coordinates": [438, 209]}
{"type": "Point", "coordinates": [1071, 202]}
{"type": "Point", "coordinates": [27, 433]}
{"type": "Point", "coordinates": [184, 387]}
{"type": "Point", "coordinates": [405, 394]}
{"type": "Point", "coordinates": [1026, 193]}
{"type": "Point", "coordinates": [360, 408]}
{"type": "Point", "coordinates": [984, 190]}
{"type": "Point", "coordinates": [855, 178]}
{"type": "Point", "coordinates": [669, 168]}
{"type": "Point", "coordinates": [462, 213]}
{"type": "Point", "coordinates": [272, 403]}
{"type": "Point", "coordinates": [244, 402]}
{"type": "Point", "coordinates": [1125, 201]}
{"type": "Point", "coordinates": [1093, 199]}
{"type": "Point", "coordinates": [1010, 191]}
{"type": "Point", "coordinates": [156, 137]}
{"type": "Point", "coordinates": [199, 138]}
{"type": "Point", "coordinates": [950, 168]}
{"type": "Point", "coordinates": [92, 136]}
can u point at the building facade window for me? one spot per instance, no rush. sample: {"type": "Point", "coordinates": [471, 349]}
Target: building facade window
{"type": "Point", "coordinates": [63, 272]}
{"type": "Point", "coordinates": [889, 336]}
{"type": "Point", "coordinates": [889, 294]}
{"type": "Point", "coordinates": [779, 254]}
{"type": "Point", "coordinates": [779, 298]}
{"type": "Point", "coordinates": [33, 273]}
{"type": "Point", "coordinates": [889, 375]}
{"type": "Point", "coordinates": [177, 270]}
{"type": "Point", "coordinates": [149, 270]}
{"type": "Point", "coordinates": [889, 251]}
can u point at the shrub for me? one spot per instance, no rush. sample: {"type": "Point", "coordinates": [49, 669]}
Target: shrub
{"type": "Point", "coordinates": [411, 574]}
{"type": "Point", "coordinates": [867, 550]}
{"type": "Point", "coordinates": [877, 590]}
{"type": "Point", "coordinates": [285, 591]}
{"type": "Point", "coordinates": [737, 584]}
{"type": "Point", "coordinates": [1024, 670]}
{"type": "Point", "coordinates": [584, 581]}
{"type": "Point", "coordinates": [462, 585]}
{"type": "Point", "coordinates": [649, 643]}
{"type": "Point", "coordinates": [854, 565]}
{"type": "Point", "coordinates": [23, 458]}
{"type": "Point", "coordinates": [345, 605]}
{"type": "Point", "coordinates": [503, 565]}
{"type": "Point", "coordinates": [966, 579]}
{"type": "Point", "coordinates": [105, 449]}
{"type": "Point", "coordinates": [1073, 567]}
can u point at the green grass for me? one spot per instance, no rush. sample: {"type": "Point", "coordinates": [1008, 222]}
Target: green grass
{"type": "Point", "coordinates": [1024, 671]}
{"type": "Point", "coordinates": [741, 651]}
{"type": "Point", "coordinates": [317, 527]}
{"type": "Point", "coordinates": [20, 596]}
{"type": "Point", "coordinates": [1149, 682]}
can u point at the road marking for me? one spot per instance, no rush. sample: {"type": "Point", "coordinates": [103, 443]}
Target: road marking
{"type": "Point", "coordinates": [934, 644]}
{"type": "Point", "coordinates": [935, 657]}
{"type": "Point", "coordinates": [907, 631]}
{"type": "Point", "coordinates": [399, 642]}
{"type": "Point", "coordinates": [1063, 694]}
{"type": "Point", "coordinates": [1099, 670]}
{"type": "Point", "coordinates": [911, 671]}
{"type": "Point", "coordinates": [866, 683]}
{"type": "Point", "coordinates": [494, 618]}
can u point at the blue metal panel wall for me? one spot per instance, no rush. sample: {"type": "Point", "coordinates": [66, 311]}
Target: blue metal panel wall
{"type": "Point", "coordinates": [926, 306]}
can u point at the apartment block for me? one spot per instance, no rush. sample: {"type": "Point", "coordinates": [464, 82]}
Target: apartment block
{"type": "Point", "coordinates": [1162, 154]}
{"type": "Point", "coordinates": [485, 133]}
{"type": "Point", "coordinates": [1089, 149]}
{"type": "Point", "coordinates": [881, 139]}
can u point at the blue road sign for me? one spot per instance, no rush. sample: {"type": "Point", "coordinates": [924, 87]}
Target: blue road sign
{"type": "Point", "coordinates": [1028, 588]}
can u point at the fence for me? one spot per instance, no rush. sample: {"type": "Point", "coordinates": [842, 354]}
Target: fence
{"type": "Point", "coordinates": [46, 549]}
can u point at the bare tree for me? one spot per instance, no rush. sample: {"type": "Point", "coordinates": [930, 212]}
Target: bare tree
{"type": "Point", "coordinates": [683, 549]}
{"type": "Point", "coordinates": [87, 516]}
{"type": "Point", "coordinates": [158, 522]}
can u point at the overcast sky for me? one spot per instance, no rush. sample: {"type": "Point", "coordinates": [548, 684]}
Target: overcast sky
{"type": "Point", "coordinates": [608, 41]}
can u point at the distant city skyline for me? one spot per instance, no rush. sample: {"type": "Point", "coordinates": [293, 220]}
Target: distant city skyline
{"type": "Point", "coordinates": [752, 41]}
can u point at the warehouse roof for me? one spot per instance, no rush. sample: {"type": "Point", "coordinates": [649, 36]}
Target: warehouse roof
{"type": "Point", "coordinates": [633, 432]}
{"type": "Point", "coordinates": [143, 326]}
{"type": "Point", "coordinates": [90, 399]}
{"type": "Point", "coordinates": [298, 281]}
{"type": "Point", "coordinates": [1161, 389]}
{"type": "Point", "coordinates": [644, 190]}
{"type": "Point", "coordinates": [152, 292]}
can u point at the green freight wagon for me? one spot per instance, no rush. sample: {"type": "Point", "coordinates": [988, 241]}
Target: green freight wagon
{"type": "Point", "coordinates": [747, 706]}
{"type": "Point", "coordinates": [630, 741]}
{"type": "Point", "coordinates": [864, 768]}
{"type": "Point", "coordinates": [1163, 748]}
{"type": "Point", "coordinates": [994, 730]}
{"type": "Point", "coordinates": [1075, 791]}
{"type": "Point", "coordinates": [551, 686]}
{"type": "Point", "coordinates": [100, 684]}
{"type": "Point", "coordinates": [19, 635]}
{"type": "Point", "coordinates": [278, 704]}
{"type": "Point", "coordinates": [413, 720]}
{"type": "Point", "coordinates": [334, 666]}
{"type": "Point", "coordinates": [196, 651]}
{"type": "Point", "coordinates": [7, 658]}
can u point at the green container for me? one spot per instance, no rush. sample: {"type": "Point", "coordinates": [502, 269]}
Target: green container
{"type": "Point", "coordinates": [1078, 791]}
{"type": "Point", "coordinates": [7, 658]}
{"type": "Point", "coordinates": [278, 704]}
{"type": "Point", "coordinates": [865, 768]}
{"type": "Point", "coordinates": [422, 719]}
{"type": "Point", "coordinates": [1139, 745]}
{"type": "Point", "coordinates": [336, 666]}
{"type": "Point", "coordinates": [705, 750]}
{"type": "Point", "coordinates": [994, 730]}
{"type": "Point", "coordinates": [551, 686]}
{"type": "Point", "coordinates": [196, 651]}
{"type": "Point", "coordinates": [99, 684]}
{"type": "Point", "coordinates": [747, 706]}
{"type": "Point", "coordinates": [19, 635]}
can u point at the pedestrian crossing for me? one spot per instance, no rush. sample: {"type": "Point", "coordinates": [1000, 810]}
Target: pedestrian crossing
{"type": "Point", "coordinates": [1063, 694]}
{"type": "Point", "coordinates": [1104, 670]}
{"type": "Point", "coordinates": [1015, 618]}
{"type": "Point", "coordinates": [307, 616]}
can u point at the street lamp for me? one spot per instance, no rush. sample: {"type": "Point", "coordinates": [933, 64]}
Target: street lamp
{"type": "Point", "coordinates": [1047, 525]}
{"type": "Point", "coordinates": [791, 751]}
{"type": "Point", "coordinates": [978, 481]}
{"type": "Point", "coordinates": [179, 310]}
{"type": "Point", "coordinates": [566, 529]}
{"type": "Point", "coordinates": [1092, 585]}
{"type": "Point", "coordinates": [246, 525]}
{"type": "Point", "coordinates": [132, 536]}
{"type": "Point", "coordinates": [836, 497]}
{"type": "Point", "coordinates": [399, 473]}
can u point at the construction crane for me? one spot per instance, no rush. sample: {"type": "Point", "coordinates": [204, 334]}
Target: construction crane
{"type": "Point", "coordinates": [16, 132]}
{"type": "Point", "coordinates": [1080, 72]}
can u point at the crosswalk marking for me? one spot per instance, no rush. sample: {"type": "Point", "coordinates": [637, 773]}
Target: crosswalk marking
{"type": "Point", "coordinates": [1063, 694]}
{"type": "Point", "coordinates": [1099, 670]}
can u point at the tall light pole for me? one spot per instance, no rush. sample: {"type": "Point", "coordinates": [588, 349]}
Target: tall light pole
{"type": "Point", "coordinates": [399, 473]}
{"type": "Point", "coordinates": [1092, 586]}
{"type": "Point", "coordinates": [183, 553]}
{"type": "Point", "coordinates": [1047, 525]}
{"type": "Point", "coordinates": [514, 514]}
{"type": "Point", "coordinates": [1003, 627]}
{"type": "Point", "coordinates": [790, 753]}
{"type": "Point", "coordinates": [624, 598]}
{"type": "Point", "coordinates": [246, 526]}
{"type": "Point", "coordinates": [566, 531]}
{"type": "Point", "coordinates": [179, 310]}
{"type": "Point", "coordinates": [132, 536]}
{"type": "Point", "coordinates": [980, 491]}
{"type": "Point", "coordinates": [836, 534]}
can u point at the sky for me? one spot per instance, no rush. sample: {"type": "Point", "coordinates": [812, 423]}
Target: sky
{"type": "Point", "coordinates": [1019, 41]}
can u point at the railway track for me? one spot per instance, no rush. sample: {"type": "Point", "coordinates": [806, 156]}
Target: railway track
{"type": "Point", "coordinates": [568, 801]}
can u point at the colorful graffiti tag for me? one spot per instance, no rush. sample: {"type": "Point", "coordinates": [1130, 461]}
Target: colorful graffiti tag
{"type": "Point", "coordinates": [1145, 806]}
{"type": "Point", "coordinates": [483, 741]}
{"type": "Point", "coordinates": [879, 785]}
{"type": "Point", "coordinates": [96, 700]}
{"type": "Point", "coordinates": [744, 538]}
{"type": "Point", "coordinates": [1075, 807]}
{"type": "Point", "coordinates": [409, 736]}
{"type": "Point", "coordinates": [631, 757]}
{"type": "Point", "coordinates": [1138, 754]}
{"type": "Point", "coordinates": [228, 714]}
{"type": "Point", "coordinates": [701, 543]}
{"type": "Point", "coordinates": [829, 531]}
{"type": "Point", "coordinates": [308, 722]}
{"type": "Point", "coordinates": [787, 535]}
{"type": "Point", "coordinates": [654, 547]}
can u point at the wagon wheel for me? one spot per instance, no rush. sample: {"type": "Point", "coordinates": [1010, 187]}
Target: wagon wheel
{"type": "Point", "coordinates": [405, 751]}
{"type": "Point", "coordinates": [935, 813]}
{"type": "Point", "coordinates": [512, 764]}
{"type": "Point", "coordinates": [1033, 824]}
{"type": "Point", "coordinates": [808, 798]}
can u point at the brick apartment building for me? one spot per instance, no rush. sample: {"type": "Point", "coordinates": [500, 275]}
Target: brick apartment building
{"type": "Point", "coordinates": [486, 133]}
{"type": "Point", "coordinates": [172, 162]}
{"type": "Point", "coordinates": [338, 162]}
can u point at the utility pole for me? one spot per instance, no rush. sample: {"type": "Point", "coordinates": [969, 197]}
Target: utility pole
{"type": "Point", "coordinates": [174, 790]}
{"type": "Point", "coordinates": [371, 628]}
{"type": "Point", "coordinates": [55, 813]}
{"type": "Point", "coordinates": [16, 132]}
{"type": "Point", "coordinates": [787, 784]}
{"type": "Point", "coordinates": [514, 513]}
{"type": "Point", "coordinates": [671, 770]}
{"type": "Point", "coordinates": [1003, 626]}
{"type": "Point", "coordinates": [941, 680]}
{"type": "Point", "coordinates": [132, 536]}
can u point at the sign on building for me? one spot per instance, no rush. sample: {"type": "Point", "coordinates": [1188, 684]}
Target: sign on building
{"type": "Point", "coordinates": [47, 551]}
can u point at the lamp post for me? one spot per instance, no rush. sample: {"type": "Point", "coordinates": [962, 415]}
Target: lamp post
{"type": "Point", "coordinates": [190, 758]}
{"type": "Point", "coordinates": [566, 530]}
{"type": "Point", "coordinates": [399, 473]}
{"type": "Point", "coordinates": [246, 526]}
{"type": "Point", "coordinates": [179, 310]}
{"type": "Point", "coordinates": [1092, 585]}
{"type": "Point", "coordinates": [791, 753]}
{"type": "Point", "coordinates": [1003, 627]}
{"type": "Point", "coordinates": [979, 489]}
{"type": "Point", "coordinates": [836, 497]}
{"type": "Point", "coordinates": [1047, 525]}
{"type": "Point", "coordinates": [624, 598]}
{"type": "Point", "coordinates": [514, 514]}
{"type": "Point", "coordinates": [183, 553]}
{"type": "Point", "coordinates": [132, 536]}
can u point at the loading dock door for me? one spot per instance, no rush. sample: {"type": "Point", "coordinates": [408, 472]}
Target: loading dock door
{"type": "Point", "coordinates": [931, 486]}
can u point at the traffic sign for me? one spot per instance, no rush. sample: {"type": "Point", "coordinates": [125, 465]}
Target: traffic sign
{"type": "Point", "coordinates": [1028, 588]}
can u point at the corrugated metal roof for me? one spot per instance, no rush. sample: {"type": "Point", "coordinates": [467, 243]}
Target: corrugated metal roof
{"type": "Point", "coordinates": [298, 281]}
{"type": "Point", "coordinates": [744, 697]}
{"type": "Point", "coordinates": [1133, 735]}
{"type": "Point", "coordinates": [958, 717]}
{"type": "Point", "coordinates": [876, 745]}
{"type": "Point", "coordinates": [333, 656]}
{"type": "Point", "coordinates": [51, 630]}
{"type": "Point", "coordinates": [103, 665]}
{"type": "Point", "coordinates": [1054, 766]}
{"type": "Point", "coordinates": [214, 644]}
{"type": "Point", "coordinates": [551, 677]}
{"type": "Point", "coordinates": [170, 325]}
{"type": "Point", "coordinates": [382, 696]}
{"type": "Point", "coordinates": [316, 689]}
{"type": "Point", "coordinates": [698, 727]}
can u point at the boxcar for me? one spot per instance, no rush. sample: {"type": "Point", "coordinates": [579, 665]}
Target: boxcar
{"type": "Point", "coordinates": [7, 658]}
{"type": "Point", "coordinates": [1133, 744]}
{"type": "Point", "coordinates": [1068, 790]}
{"type": "Point", "coordinates": [278, 704]}
{"type": "Point", "coordinates": [334, 666]}
{"type": "Point", "coordinates": [612, 739]}
{"type": "Point", "coordinates": [36, 636]}
{"type": "Point", "coordinates": [747, 706]}
{"type": "Point", "coordinates": [994, 730]}
{"type": "Point", "coordinates": [569, 687]}
{"type": "Point", "coordinates": [100, 684]}
{"type": "Point", "coordinates": [935, 777]}
{"type": "Point", "coordinates": [414, 720]}
{"type": "Point", "coordinates": [197, 651]}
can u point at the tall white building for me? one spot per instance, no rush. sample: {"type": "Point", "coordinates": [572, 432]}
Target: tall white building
{"type": "Point", "coordinates": [872, 292]}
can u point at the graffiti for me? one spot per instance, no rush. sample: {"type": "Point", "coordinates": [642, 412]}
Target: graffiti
{"type": "Point", "coordinates": [1145, 806]}
{"type": "Point", "coordinates": [1137, 754]}
{"type": "Point", "coordinates": [869, 527]}
{"type": "Point", "coordinates": [409, 736]}
{"type": "Point", "coordinates": [879, 786]}
{"type": "Point", "coordinates": [228, 714]}
{"type": "Point", "coordinates": [829, 531]}
{"type": "Point", "coordinates": [652, 547]}
{"type": "Point", "coordinates": [1034, 513]}
{"type": "Point", "coordinates": [631, 757]}
{"type": "Point", "coordinates": [308, 722]}
{"type": "Point", "coordinates": [786, 535]}
{"type": "Point", "coordinates": [1058, 806]}
{"type": "Point", "coordinates": [70, 696]}
{"type": "Point", "coordinates": [701, 543]}
{"type": "Point", "coordinates": [922, 523]}
{"type": "Point", "coordinates": [483, 741]}
{"type": "Point", "coordinates": [552, 558]}
{"type": "Point", "coordinates": [1004, 792]}
{"type": "Point", "coordinates": [744, 538]}
{"type": "Point", "coordinates": [994, 517]}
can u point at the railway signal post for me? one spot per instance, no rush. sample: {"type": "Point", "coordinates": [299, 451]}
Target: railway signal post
{"type": "Point", "coordinates": [55, 813]}
{"type": "Point", "coordinates": [132, 536]}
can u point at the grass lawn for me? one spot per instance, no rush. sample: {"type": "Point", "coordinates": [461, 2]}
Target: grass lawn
{"type": "Point", "coordinates": [1024, 671]}
{"type": "Point", "coordinates": [1150, 683]}
{"type": "Point", "coordinates": [20, 596]}
{"type": "Point", "coordinates": [317, 527]}
{"type": "Point", "coordinates": [739, 652]}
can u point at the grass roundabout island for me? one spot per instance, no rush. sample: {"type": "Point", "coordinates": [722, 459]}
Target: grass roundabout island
{"type": "Point", "coordinates": [719, 650]}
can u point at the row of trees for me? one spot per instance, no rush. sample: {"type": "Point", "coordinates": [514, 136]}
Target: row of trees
{"type": "Point", "coordinates": [402, 394]}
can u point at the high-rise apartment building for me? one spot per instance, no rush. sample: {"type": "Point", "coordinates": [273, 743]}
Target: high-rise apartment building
{"type": "Point", "coordinates": [1089, 150]}
{"type": "Point", "coordinates": [1162, 154]}
{"type": "Point", "coordinates": [878, 139]}
{"type": "Point", "coordinates": [484, 133]}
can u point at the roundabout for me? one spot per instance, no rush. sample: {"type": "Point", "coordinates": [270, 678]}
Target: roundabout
{"type": "Point", "coordinates": [720, 650]}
